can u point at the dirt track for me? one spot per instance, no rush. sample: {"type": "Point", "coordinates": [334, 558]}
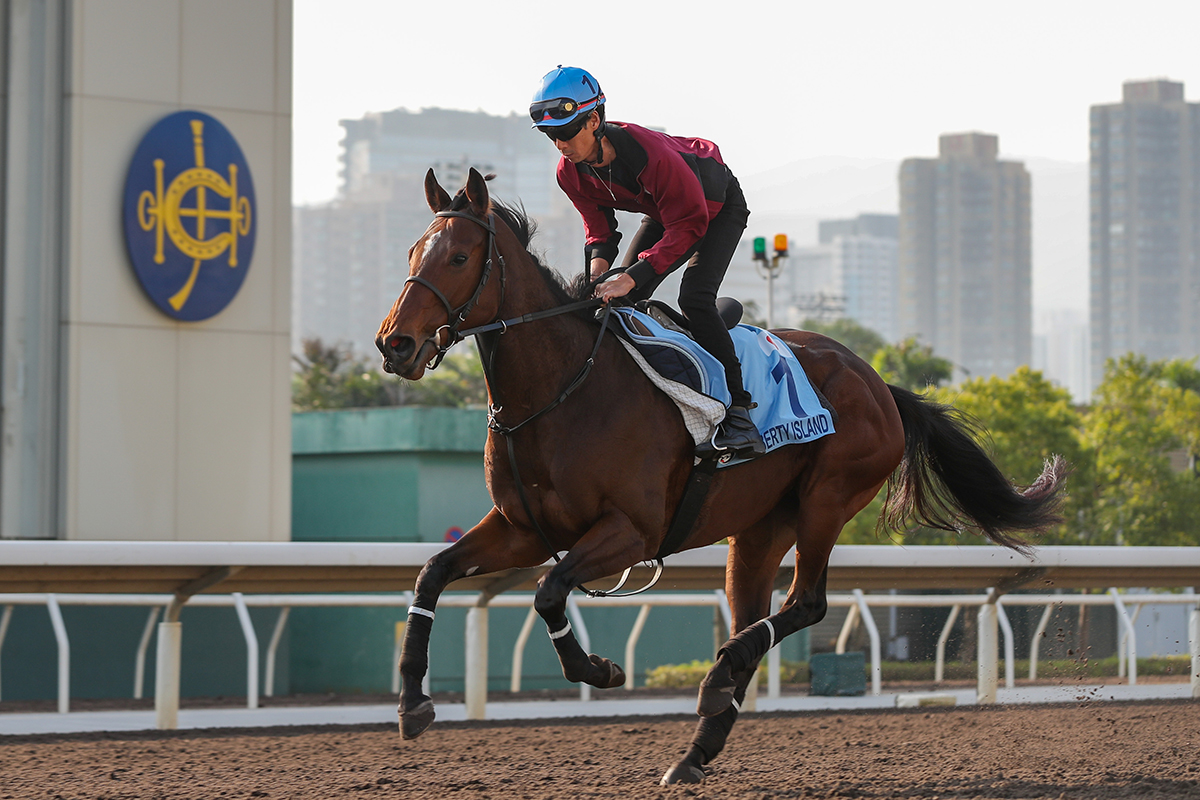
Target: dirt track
{"type": "Point", "coordinates": [1092, 750]}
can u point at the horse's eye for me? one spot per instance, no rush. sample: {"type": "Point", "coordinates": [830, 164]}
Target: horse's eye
{"type": "Point", "coordinates": [459, 259]}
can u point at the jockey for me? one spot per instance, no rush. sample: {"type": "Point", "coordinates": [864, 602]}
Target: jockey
{"type": "Point", "coordinates": [694, 210]}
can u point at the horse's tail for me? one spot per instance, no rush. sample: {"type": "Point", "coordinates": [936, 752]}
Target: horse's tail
{"type": "Point", "coordinates": [947, 481]}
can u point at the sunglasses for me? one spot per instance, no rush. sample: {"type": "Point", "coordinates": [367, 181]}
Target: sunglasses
{"type": "Point", "coordinates": [564, 133]}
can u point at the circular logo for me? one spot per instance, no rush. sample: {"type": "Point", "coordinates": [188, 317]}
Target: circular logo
{"type": "Point", "coordinates": [190, 215]}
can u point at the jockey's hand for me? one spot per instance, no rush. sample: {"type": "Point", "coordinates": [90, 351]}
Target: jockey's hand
{"type": "Point", "coordinates": [616, 286]}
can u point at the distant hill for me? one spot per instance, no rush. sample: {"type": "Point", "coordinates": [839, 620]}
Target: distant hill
{"type": "Point", "coordinates": [793, 197]}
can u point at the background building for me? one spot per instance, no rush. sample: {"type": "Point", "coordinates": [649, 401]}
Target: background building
{"type": "Point", "coordinates": [1145, 225]}
{"type": "Point", "coordinates": [352, 253]}
{"type": "Point", "coordinates": [964, 252]}
{"type": "Point", "coordinates": [119, 421]}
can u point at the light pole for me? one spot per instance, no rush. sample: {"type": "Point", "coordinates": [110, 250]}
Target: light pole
{"type": "Point", "coordinates": [771, 267]}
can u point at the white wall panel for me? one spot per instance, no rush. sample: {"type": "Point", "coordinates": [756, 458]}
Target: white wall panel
{"type": "Point", "coordinates": [129, 49]}
{"type": "Point", "coordinates": [223, 461]}
{"type": "Point", "coordinates": [228, 54]}
{"type": "Point", "coordinates": [125, 433]}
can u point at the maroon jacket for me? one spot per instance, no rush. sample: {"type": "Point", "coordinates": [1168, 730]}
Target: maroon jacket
{"type": "Point", "coordinates": [678, 182]}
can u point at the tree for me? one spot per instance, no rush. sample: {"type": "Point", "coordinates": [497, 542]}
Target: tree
{"type": "Point", "coordinates": [862, 340]}
{"type": "Point", "coordinates": [1024, 419]}
{"type": "Point", "coordinates": [331, 376]}
{"type": "Point", "coordinates": [1145, 411]}
{"type": "Point", "coordinates": [911, 365]}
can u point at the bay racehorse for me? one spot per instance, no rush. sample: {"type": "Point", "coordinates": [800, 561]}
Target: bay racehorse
{"type": "Point", "coordinates": [604, 457]}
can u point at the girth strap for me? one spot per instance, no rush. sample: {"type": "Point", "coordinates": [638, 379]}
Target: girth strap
{"type": "Point", "coordinates": [693, 499]}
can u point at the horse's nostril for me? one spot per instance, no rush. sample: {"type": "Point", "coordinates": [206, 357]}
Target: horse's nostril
{"type": "Point", "coordinates": [394, 343]}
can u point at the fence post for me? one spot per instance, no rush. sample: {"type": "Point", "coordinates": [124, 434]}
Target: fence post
{"type": "Point", "coordinates": [243, 615]}
{"type": "Point", "coordinates": [276, 636]}
{"type": "Point", "coordinates": [64, 654]}
{"type": "Point", "coordinates": [939, 663]}
{"type": "Point", "coordinates": [1127, 624]}
{"type": "Point", "coordinates": [1194, 642]}
{"type": "Point", "coordinates": [139, 661]}
{"type": "Point", "coordinates": [988, 651]}
{"type": "Point", "coordinates": [477, 659]}
{"type": "Point", "coordinates": [4, 620]}
{"type": "Point", "coordinates": [166, 675]}
{"type": "Point", "coordinates": [631, 646]}
{"type": "Point", "coordinates": [518, 659]}
{"type": "Point", "coordinates": [1009, 646]}
{"type": "Point", "coordinates": [873, 634]}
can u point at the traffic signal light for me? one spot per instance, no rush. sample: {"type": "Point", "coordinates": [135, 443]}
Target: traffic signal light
{"type": "Point", "coordinates": [760, 248]}
{"type": "Point", "coordinates": [781, 240]}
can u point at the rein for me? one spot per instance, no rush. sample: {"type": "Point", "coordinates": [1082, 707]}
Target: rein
{"type": "Point", "coordinates": [456, 316]}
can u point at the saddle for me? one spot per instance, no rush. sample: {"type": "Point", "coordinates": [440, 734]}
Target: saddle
{"type": "Point", "coordinates": [729, 309]}
{"type": "Point", "coordinates": [788, 409]}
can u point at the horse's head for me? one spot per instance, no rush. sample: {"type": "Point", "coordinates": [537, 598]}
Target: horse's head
{"type": "Point", "coordinates": [448, 270]}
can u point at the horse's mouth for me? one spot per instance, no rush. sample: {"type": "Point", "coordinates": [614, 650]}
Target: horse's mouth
{"type": "Point", "coordinates": [414, 370]}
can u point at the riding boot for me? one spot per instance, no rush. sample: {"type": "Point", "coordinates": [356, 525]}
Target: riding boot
{"type": "Point", "coordinates": [736, 434]}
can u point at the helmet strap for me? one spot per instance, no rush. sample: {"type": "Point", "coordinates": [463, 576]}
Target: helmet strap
{"type": "Point", "coordinates": [599, 134]}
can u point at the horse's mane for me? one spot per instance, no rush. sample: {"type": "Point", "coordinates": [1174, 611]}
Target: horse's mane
{"type": "Point", "coordinates": [518, 221]}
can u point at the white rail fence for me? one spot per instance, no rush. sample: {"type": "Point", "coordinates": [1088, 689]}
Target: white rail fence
{"type": "Point", "coordinates": [991, 615]}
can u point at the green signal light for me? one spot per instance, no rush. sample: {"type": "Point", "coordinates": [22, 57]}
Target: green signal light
{"type": "Point", "coordinates": [760, 248]}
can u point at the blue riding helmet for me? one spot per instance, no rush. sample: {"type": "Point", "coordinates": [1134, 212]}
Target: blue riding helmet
{"type": "Point", "coordinates": [567, 94]}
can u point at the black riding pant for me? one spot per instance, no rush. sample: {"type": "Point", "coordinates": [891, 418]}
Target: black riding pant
{"type": "Point", "coordinates": [706, 263]}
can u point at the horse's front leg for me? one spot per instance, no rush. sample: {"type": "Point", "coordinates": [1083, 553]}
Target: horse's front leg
{"type": "Point", "coordinates": [754, 557]}
{"type": "Point", "coordinates": [611, 545]}
{"type": "Point", "coordinates": [492, 545]}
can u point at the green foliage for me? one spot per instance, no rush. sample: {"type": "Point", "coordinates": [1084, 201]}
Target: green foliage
{"type": "Point", "coordinates": [911, 365]}
{"type": "Point", "coordinates": [1145, 411]}
{"type": "Point", "coordinates": [330, 377]}
{"type": "Point", "coordinates": [753, 315]}
{"type": "Point", "coordinates": [1025, 419]}
{"type": "Point", "coordinates": [863, 341]}
{"type": "Point", "coordinates": [688, 676]}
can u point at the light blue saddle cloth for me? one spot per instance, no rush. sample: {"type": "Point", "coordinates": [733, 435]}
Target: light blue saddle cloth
{"type": "Point", "coordinates": [788, 410]}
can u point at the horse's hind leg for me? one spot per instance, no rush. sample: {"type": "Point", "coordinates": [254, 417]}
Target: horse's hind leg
{"type": "Point", "coordinates": [750, 572]}
{"type": "Point", "coordinates": [611, 545]}
{"type": "Point", "coordinates": [490, 546]}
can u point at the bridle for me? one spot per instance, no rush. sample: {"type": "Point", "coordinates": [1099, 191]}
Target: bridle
{"type": "Point", "coordinates": [456, 317]}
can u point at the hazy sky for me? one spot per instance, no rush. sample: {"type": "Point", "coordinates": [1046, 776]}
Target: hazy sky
{"type": "Point", "coordinates": [770, 82]}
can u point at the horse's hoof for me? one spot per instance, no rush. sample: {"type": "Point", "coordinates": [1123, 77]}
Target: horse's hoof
{"type": "Point", "coordinates": [415, 721]}
{"type": "Point", "coordinates": [716, 691]}
{"type": "Point", "coordinates": [609, 674]}
{"type": "Point", "coordinates": [683, 772]}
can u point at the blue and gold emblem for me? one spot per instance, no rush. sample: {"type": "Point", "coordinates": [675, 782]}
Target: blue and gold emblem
{"type": "Point", "coordinates": [190, 215]}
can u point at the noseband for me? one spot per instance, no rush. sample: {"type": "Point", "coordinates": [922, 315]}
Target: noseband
{"type": "Point", "coordinates": [456, 316]}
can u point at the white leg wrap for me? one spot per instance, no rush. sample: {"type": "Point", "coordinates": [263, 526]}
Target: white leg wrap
{"type": "Point", "coordinates": [559, 634]}
{"type": "Point", "coordinates": [771, 629]}
{"type": "Point", "coordinates": [736, 705]}
{"type": "Point", "coordinates": [421, 611]}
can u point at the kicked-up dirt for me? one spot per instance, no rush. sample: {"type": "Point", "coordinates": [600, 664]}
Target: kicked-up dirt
{"type": "Point", "coordinates": [1088, 750]}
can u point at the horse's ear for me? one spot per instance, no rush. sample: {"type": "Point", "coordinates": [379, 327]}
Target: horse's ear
{"type": "Point", "coordinates": [435, 195]}
{"type": "Point", "coordinates": [477, 193]}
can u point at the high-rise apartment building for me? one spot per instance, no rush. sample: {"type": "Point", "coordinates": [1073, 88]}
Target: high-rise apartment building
{"type": "Point", "coordinates": [1145, 225]}
{"type": "Point", "coordinates": [965, 272]}
{"type": "Point", "coordinates": [350, 256]}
